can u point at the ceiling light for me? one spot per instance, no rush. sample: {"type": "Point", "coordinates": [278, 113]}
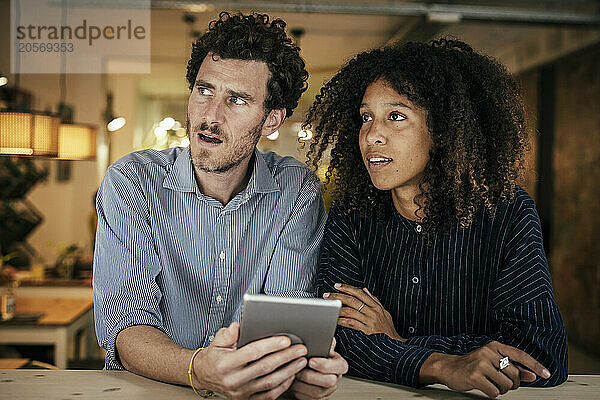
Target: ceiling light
{"type": "Point", "coordinates": [28, 133]}
{"type": "Point", "coordinates": [160, 132]}
{"type": "Point", "coordinates": [115, 124]}
{"type": "Point", "coordinates": [167, 123]}
{"type": "Point", "coordinates": [305, 134]}
{"type": "Point", "coordinates": [77, 142]}
{"type": "Point", "coordinates": [3, 80]}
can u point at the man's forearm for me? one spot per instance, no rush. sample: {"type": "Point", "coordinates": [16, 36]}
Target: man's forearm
{"type": "Point", "coordinates": [149, 352]}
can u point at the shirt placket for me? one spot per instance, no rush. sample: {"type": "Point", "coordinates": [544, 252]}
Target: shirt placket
{"type": "Point", "coordinates": [416, 282]}
{"type": "Point", "coordinates": [222, 269]}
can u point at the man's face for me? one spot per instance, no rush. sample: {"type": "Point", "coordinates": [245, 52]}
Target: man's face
{"type": "Point", "coordinates": [226, 114]}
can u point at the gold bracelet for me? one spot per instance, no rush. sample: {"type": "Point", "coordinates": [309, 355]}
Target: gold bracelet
{"type": "Point", "coordinates": [202, 393]}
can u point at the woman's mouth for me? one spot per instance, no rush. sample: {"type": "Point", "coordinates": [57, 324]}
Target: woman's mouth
{"type": "Point", "coordinates": [377, 163]}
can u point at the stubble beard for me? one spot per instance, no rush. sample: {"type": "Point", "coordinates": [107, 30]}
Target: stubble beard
{"type": "Point", "coordinates": [206, 161]}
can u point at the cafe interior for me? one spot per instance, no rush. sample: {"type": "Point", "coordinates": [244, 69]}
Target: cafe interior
{"type": "Point", "coordinates": [83, 122]}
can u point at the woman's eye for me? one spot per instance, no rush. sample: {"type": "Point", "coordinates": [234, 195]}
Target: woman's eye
{"type": "Point", "coordinates": [365, 118]}
{"type": "Point", "coordinates": [237, 101]}
{"type": "Point", "coordinates": [397, 117]}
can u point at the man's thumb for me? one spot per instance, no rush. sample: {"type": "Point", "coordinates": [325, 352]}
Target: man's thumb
{"type": "Point", "coordinates": [227, 337]}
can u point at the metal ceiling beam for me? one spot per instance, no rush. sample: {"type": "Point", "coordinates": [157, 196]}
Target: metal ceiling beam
{"type": "Point", "coordinates": [434, 12]}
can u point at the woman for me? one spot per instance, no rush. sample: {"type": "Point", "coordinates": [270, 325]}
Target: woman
{"type": "Point", "coordinates": [433, 249]}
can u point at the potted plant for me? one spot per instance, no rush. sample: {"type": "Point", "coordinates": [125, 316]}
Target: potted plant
{"type": "Point", "coordinates": [7, 285]}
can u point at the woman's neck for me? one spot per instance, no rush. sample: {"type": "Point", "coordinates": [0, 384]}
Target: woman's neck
{"type": "Point", "coordinates": [404, 203]}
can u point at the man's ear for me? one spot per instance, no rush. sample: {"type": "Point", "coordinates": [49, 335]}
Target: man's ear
{"type": "Point", "coordinates": [273, 121]}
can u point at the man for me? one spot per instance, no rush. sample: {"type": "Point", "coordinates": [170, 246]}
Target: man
{"type": "Point", "coordinates": [184, 233]}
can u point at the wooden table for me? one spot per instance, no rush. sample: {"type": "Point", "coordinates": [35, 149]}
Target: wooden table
{"type": "Point", "coordinates": [64, 318]}
{"type": "Point", "coordinates": [13, 363]}
{"type": "Point", "coordinates": [115, 385]}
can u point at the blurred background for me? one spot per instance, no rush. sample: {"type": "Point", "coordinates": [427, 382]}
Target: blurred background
{"type": "Point", "coordinates": [47, 216]}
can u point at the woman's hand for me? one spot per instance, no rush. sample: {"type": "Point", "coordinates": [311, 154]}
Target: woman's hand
{"type": "Point", "coordinates": [363, 312]}
{"type": "Point", "coordinates": [483, 369]}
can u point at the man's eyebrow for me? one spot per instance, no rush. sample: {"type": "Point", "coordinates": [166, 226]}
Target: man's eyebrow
{"type": "Point", "coordinates": [242, 95]}
{"type": "Point", "coordinates": [202, 83]}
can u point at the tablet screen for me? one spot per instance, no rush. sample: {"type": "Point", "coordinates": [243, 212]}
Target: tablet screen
{"type": "Point", "coordinates": [310, 321]}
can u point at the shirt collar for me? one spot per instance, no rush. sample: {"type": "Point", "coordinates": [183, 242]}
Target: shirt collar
{"type": "Point", "coordinates": [262, 177]}
{"type": "Point", "coordinates": [181, 178]}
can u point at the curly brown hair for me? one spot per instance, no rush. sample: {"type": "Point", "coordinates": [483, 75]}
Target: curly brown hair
{"type": "Point", "coordinates": [254, 38]}
{"type": "Point", "coordinates": [475, 117]}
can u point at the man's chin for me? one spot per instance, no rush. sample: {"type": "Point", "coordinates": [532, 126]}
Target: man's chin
{"type": "Point", "coordinates": [216, 168]}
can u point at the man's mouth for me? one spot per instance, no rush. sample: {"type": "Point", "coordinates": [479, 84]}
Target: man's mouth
{"type": "Point", "coordinates": [209, 139]}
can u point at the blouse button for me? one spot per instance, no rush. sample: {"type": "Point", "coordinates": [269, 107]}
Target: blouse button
{"type": "Point", "coordinates": [419, 228]}
{"type": "Point", "coordinates": [415, 279]}
{"type": "Point", "coordinates": [411, 329]}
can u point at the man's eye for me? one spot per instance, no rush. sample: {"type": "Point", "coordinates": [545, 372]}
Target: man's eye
{"type": "Point", "coordinates": [237, 101]}
{"type": "Point", "coordinates": [204, 91]}
{"type": "Point", "coordinates": [365, 118]}
{"type": "Point", "coordinates": [397, 117]}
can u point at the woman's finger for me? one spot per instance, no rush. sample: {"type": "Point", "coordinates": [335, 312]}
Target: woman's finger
{"type": "Point", "coordinates": [349, 312]}
{"type": "Point", "coordinates": [373, 297]}
{"type": "Point", "coordinates": [346, 300]}
{"type": "Point", "coordinates": [352, 324]}
{"type": "Point", "coordinates": [357, 293]}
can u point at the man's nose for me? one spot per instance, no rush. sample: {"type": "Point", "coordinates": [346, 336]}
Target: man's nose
{"type": "Point", "coordinates": [213, 112]}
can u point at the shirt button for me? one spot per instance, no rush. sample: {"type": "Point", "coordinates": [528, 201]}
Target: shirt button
{"type": "Point", "coordinates": [222, 255]}
{"type": "Point", "coordinates": [219, 298]}
{"type": "Point", "coordinates": [419, 228]}
{"type": "Point", "coordinates": [211, 338]}
{"type": "Point", "coordinates": [415, 279]}
{"type": "Point", "coordinates": [411, 329]}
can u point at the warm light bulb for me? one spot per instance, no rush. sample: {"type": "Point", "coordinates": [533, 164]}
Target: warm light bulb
{"type": "Point", "coordinates": [116, 124]}
{"type": "Point", "coordinates": [305, 134]}
{"type": "Point", "coordinates": [167, 123]}
{"type": "Point", "coordinates": [160, 132]}
{"type": "Point", "coordinates": [3, 80]}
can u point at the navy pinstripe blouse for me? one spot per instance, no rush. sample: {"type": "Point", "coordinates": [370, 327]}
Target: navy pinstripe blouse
{"type": "Point", "coordinates": [486, 282]}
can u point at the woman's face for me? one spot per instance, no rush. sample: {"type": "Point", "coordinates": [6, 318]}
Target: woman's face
{"type": "Point", "coordinates": [394, 140]}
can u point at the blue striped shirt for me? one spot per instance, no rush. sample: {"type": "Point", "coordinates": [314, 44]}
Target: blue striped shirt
{"type": "Point", "coordinates": [487, 282]}
{"type": "Point", "coordinates": [170, 257]}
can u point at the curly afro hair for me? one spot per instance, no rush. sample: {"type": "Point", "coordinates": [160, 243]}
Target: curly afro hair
{"type": "Point", "coordinates": [475, 117]}
{"type": "Point", "coordinates": [252, 37]}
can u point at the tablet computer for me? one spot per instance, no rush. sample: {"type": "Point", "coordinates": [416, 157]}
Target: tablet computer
{"type": "Point", "coordinates": [310, 321]}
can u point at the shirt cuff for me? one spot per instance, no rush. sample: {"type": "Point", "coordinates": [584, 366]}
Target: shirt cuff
{"type": "Point", "coordinates": [138, 317]}
{"type": "Point", "coordinates": [407, 368]}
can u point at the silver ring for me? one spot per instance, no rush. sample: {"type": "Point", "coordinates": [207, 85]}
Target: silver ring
{"type": "Point", "coordinates": [504, 363]}
{"type": "Point", "coordinates": [361, 307]}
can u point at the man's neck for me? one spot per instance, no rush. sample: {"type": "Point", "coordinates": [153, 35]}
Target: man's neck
{"type": "Point", "coordinates": [224, 186]}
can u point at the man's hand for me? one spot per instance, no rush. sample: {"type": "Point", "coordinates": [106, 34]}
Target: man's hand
{"type": "Point", "coordinates": [363, 312]}
{"type": "Point", "coordinates": [320, 379]}
{"type": "Point", "coordinates": [260, 370]}
{"type": "Point", "coordinates": [480, 369]}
